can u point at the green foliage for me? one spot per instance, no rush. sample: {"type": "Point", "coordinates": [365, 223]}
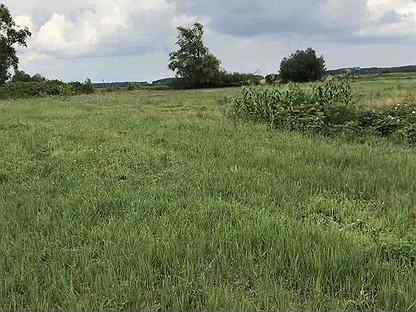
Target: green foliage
{"type": "Point", "coordinates": [82, 88]}
{"type": "Point", "coordinates": [223, 79]}
{"type": "Point", "coordinates": [196, 67]}
{"type": "Point", "coordinates": [398, 121]}
{"type": "Point", "coordinates": [272, 78]}
{"type": "Point", "coordinates": [10, 37]}
{"type": "Point", "coordinates": [31, 89]}
{"type": "Point", "coordinates": [227, 79]}
{"type": "Point", "coordinates": [326, 108]}
{"type": "Point", "coordinates": [192, 61]}
{"type": "Point", "coordinates": [318, 107]}
{"type": "Point", "coordinates": [21, 76]}
{"type": "Point", "coordinates": [40, 88]}
{"type": "Point", "coordinates": [302, 66]}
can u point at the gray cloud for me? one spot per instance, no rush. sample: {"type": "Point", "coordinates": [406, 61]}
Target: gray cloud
{"type": "Point", "coordinates": [246, 35]}
{"type": "Point", "coordinates": [333, 20]}
{"type": "Point", "coordinates": [250, 18]}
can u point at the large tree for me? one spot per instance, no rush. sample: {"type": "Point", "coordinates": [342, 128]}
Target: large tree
{"type": "Point", "coordinates": [302, 66]}
{"type": "Point", "coordinates": [11, 36]}
{"type": "Point", "coordinates": [192, 62]}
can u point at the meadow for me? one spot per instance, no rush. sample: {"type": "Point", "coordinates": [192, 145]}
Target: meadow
{"type": "Point", "coordinates": [155, 200]}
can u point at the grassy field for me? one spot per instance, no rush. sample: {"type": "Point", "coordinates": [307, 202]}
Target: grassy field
{"type": "Point", "coordinates": [153, 200]}
{"type": "Point", "coordinates": [385, 90]}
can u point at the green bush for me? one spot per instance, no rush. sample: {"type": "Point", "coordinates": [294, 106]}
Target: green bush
{"type": "Point", "coordinates": [221, 79]}
{"type": "Point", "coordinates": [399, 121]}
{"type": "Point", "coordinates": [227, 79]}
{"type": "Point", "coordinates": [21, 89]}
{"type": "Point", "coordinates": [326, 108]}
{"type": "Point", "coordinates": [31, 89]}
{"type": "Point", "coordinates": [82, 88]}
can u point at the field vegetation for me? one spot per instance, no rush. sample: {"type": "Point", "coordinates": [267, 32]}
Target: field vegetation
{"type": "Point", "coordinates": [157, 200]}
{"type": "Point", "coordinates": [327, 108]}
{"type": "Point", "coordinates": [280, 197]}
{"type": "Point", "coordinates": [29, 89]}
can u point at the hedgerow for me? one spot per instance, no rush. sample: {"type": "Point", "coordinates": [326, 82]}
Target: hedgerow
{"type": "Point", "coordinates": [19, 89]}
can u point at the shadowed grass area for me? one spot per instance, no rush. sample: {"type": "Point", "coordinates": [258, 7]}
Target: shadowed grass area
{"type": "Point", "coordinates": [152, 200]}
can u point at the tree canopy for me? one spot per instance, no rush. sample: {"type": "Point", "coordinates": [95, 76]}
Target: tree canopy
{"type": "Point", "coordinates": [11, 36]}
{"type": "Point", "coordinates": [22, 76]}
{"type": "Point", "coordinates": [302, 66]}
{"type": "Point", "coordinates": [193, 62]}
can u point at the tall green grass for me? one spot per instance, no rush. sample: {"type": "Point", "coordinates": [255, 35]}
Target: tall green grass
{"type": "Point", "coordinates": [152, 200]}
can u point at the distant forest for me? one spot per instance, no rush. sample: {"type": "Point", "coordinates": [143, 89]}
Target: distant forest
{"type": "Point", "coordinates": [340, 71]}
{"type": "Point", "coordinates": [126, 84]}
{"type": "Point", "coordinates": [374, 70]}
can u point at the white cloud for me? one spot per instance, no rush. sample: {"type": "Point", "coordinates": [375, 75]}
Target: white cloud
{"type": "Point", "coordinates": [100, 27]}
{"type": "Point", "coordinates": [247, 34]}
{"type": "Point", "coordinates": [105, 27]}
{"type": "Point", "coordinates": [395, 19]}
{"type": "Point", "coordinates": [62, 36]}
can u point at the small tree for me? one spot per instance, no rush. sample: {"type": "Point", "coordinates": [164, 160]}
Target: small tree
{"type": "Point", "coordinates": [10, 37]}
{"type": "Point", "coordinates": [192, 62]}
{"type": "Point", "coordinates": [302, 66]}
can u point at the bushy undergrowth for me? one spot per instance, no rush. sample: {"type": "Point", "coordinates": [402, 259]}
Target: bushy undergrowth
{"type": "Point", "coordinates": [14, 90]}
{"type": "Point", "coordinates": [326, 108]}
{"type": "Point", "coordinates": [398, 121]}
{"type": "Point", "coordinates": [222, 79]}
{"type": "Point", "coordinates": [85, 87]}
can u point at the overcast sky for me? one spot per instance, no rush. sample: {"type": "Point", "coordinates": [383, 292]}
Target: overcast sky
{"type": "Point", "coordinates": [119, 40]}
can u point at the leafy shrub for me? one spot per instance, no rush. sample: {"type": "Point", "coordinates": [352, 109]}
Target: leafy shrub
{"type": "Point", "coordinates": [82, 88]}
{"type": "Point", "coordinates": [221, 79]}
{"type": "Point", "coordinates": [21, 89]}
{"type": "Point", "coordinates": [31, 89]}
{"type": "Point", "coordinates": [226, 79]}
{"type": "Point", "coordinates": [399, 120]}
{"type": "Point", "coordinates": [325, 108]}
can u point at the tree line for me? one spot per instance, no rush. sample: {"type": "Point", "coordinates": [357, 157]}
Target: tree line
{"type": "Point", "coordinates": [192, 62]}
{"type": "Point", "coordinates": [196, 67]}
{"type": "Point", "coordinates": [15, 83]}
